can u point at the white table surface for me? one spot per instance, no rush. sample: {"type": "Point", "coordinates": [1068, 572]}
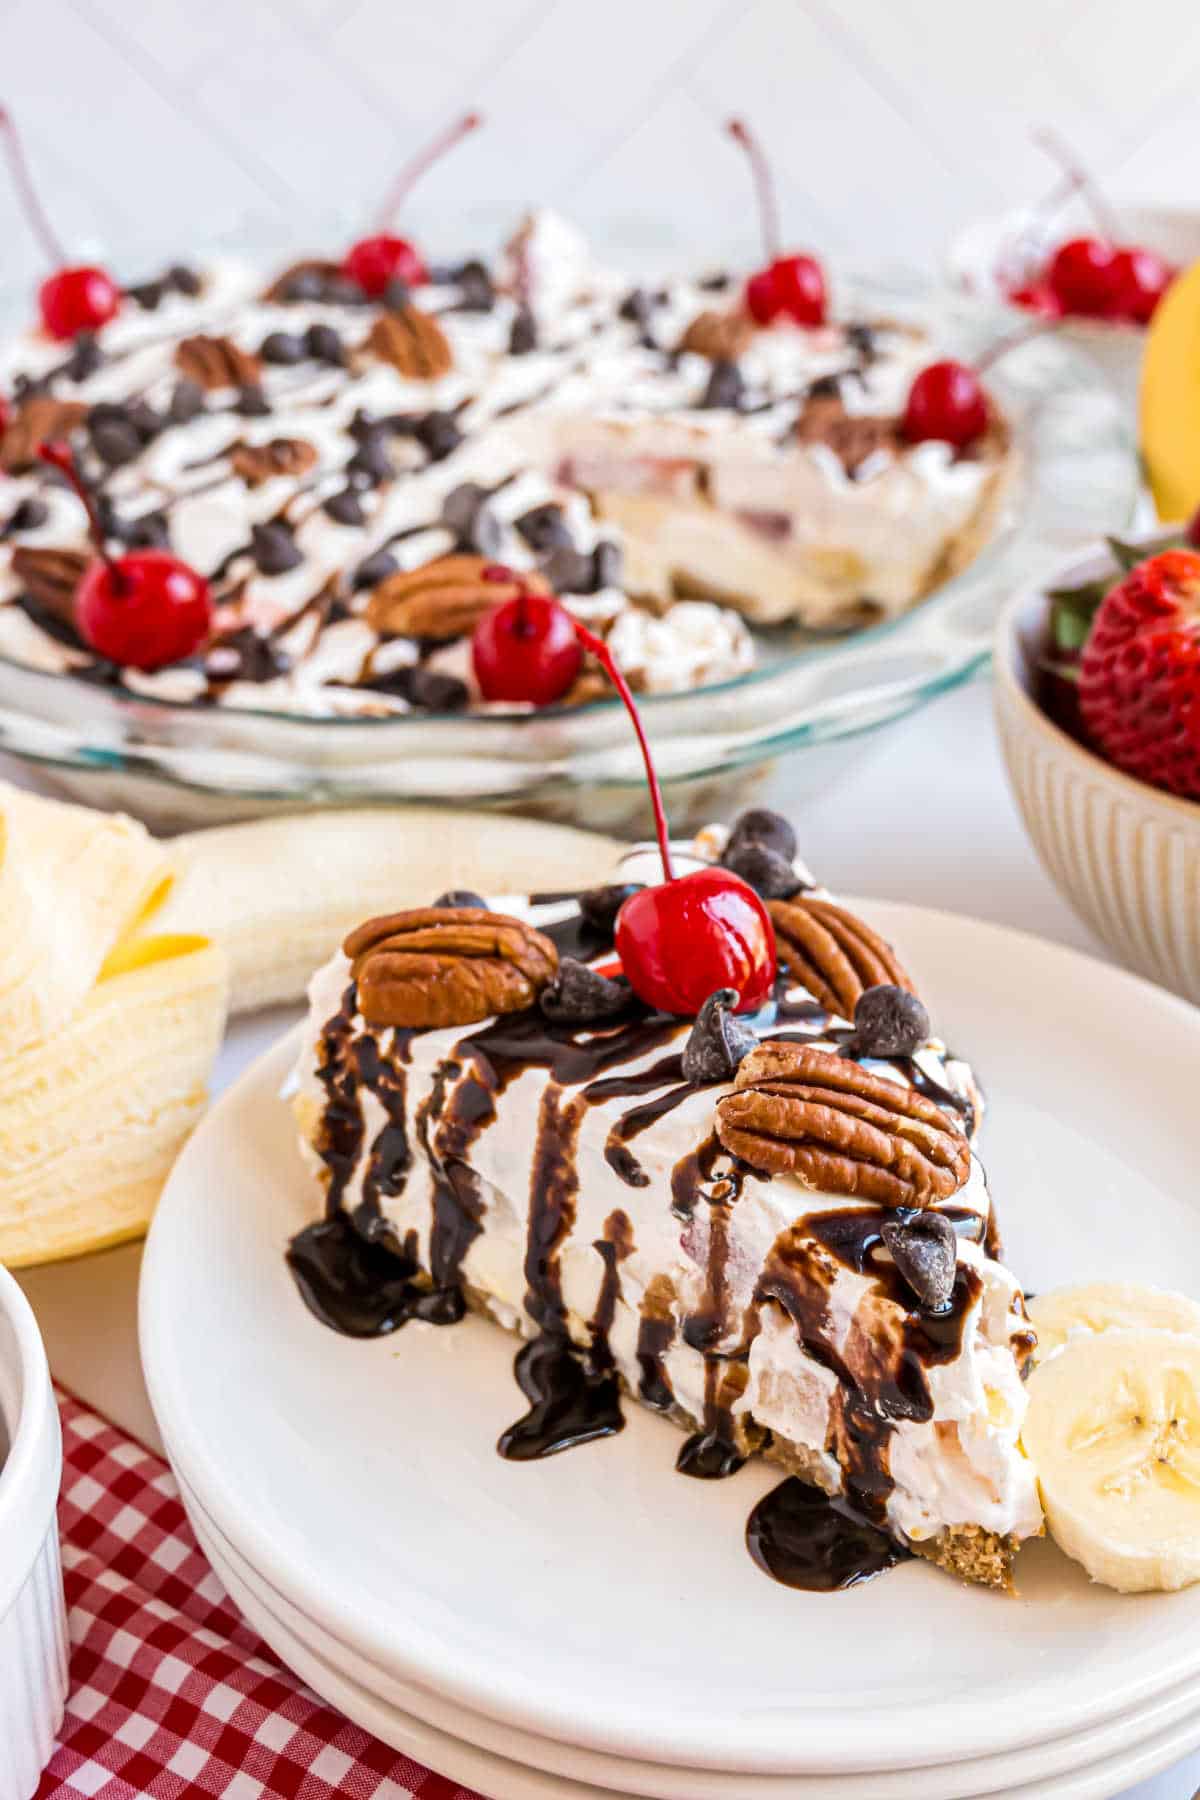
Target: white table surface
{"type": "Point", "coordinates": [925, 816]}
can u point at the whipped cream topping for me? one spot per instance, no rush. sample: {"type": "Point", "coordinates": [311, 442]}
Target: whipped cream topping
{"type": "Point", "coordinates": [730, 1333]}
{"type": "Point", "coordinates": [495, 456]}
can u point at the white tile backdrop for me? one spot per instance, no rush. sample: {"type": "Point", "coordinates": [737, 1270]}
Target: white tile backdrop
{"type": "Point", "coordinates": [165, 122]}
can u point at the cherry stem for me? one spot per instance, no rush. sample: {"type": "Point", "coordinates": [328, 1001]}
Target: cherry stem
{"type": "Point", "coordinates": [412, 171]}
{"type": "Point", "coordinates": [27, 193]}
{"type": "Point", "coordinates": [1075, 179]}
{"type": "Point", "coordinates": [764, 185]}
{"type": "Point", "coordinates": [607, 661]}
{"type": "Point", "coordinates": [60, 456]}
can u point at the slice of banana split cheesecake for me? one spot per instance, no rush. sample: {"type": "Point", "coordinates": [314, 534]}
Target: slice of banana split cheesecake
{"type": "Point", "coordinates": [699, 1145]}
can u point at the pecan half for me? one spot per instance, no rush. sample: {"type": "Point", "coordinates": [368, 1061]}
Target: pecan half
{"type": "Point", "coordinates": [721, 336]}
{"type": "Point", "coordinates": [256, 463]}
{"type": "Point", "coordinates": [217, 362]}
{"type": "Point", "coordinates": [446, 965]}
{"type": "Point", "coordinates": [50, 578]}
{"type": "Point", "coordinates": [37, 420]}
{"type": "Point", "coordinates": [443, 599]}
{"type": "Point", "coordinates": [831, 953]}
{"type": "Point", "coordinates": [810, 1113]}
{"type": "Point", "coordinates": [413, 342]}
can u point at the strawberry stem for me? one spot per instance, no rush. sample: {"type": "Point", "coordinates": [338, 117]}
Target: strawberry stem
{"type": "Point", "coordinates": [412, 171]}
{"type": "Point", "coordinates": [608, 662]}
{"type": "Point", "coordinates": [764, 185]}
{"type": "Point", "coordinates": [31, 205]}
{"type": "Point", "coordinates": [60, 456]}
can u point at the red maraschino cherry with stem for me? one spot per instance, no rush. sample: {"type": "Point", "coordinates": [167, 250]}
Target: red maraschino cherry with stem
{"type": "Point", "coordinates": [689, 935]}
{"type": "Point", "coordinates": [71, 299]}
{"type": "Point", "coordinates": [790, 286]}
{"type": "Point", "coordinates": [377, 260]}
{"type": "Point", "coordinates": [525, 649]}
{"type": "Point", "coordinates": [144, 609]}
{"type": "Point", "coordinates": [947, 400]}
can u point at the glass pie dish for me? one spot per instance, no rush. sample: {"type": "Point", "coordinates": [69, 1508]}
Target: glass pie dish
{"type": "Point", "coordinates": [1075, 475]}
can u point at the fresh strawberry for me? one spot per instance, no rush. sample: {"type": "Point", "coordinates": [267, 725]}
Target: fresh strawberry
{"type": "Point", "coordinates": [1139, 676]}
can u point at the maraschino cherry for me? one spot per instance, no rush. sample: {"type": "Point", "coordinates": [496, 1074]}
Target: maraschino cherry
{"type": "Point", "coordinates": [71, 299]}
{"type": "Point", "coordinates": [790, 287]}
{"type": "Point", "coordinates": [375, 261]}
{"type": "Point", "coordinates": [525, 649]}
{"type": "Point", "coordinates": [143, 609]}
{"type": "Point", "coordinates": [682, 940]}
{"type": "Point", "coordinates": [946, 401]}
{"type": "Point", "coordinates": [1140, 278]}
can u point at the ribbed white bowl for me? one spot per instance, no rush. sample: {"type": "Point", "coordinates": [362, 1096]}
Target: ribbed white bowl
{"type": "Point", "coordinates": [33, 1623]}
{"type": "Point", "coordinates": [1126, 856]}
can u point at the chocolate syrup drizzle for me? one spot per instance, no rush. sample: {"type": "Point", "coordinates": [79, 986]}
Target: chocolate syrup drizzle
{"type": "Point", "coordinates": [356, 1277]}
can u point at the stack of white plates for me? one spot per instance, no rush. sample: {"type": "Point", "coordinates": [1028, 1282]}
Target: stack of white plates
{"type": "Point", "coordinates": [592, 1626]}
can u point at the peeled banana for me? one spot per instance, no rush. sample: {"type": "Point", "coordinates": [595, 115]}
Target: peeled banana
{"type": "Point", "coordinates": [1113, 1429]}
{"type": "Point", "coordinates": [108, 1028]}
{"type": "Point", "coordinates": [1095, 1306]}
{"type": "Point", "coordinates": [279, 895]}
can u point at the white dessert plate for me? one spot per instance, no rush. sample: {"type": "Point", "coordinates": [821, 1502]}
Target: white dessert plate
{"type": "Point", "coordinates": [598, 1598]}
{"type": "Point", "coordinates": [512, 1764]}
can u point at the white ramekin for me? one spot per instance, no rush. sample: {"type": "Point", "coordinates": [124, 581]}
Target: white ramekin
{"type": "Point", "coordinates": [33, 1620]}
{"type": "Point", "coordinates": [1126, 856]}
{"type": "Point", "coordinates": [977, 255]}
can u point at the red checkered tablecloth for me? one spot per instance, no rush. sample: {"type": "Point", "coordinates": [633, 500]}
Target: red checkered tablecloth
{"type": "Point", "coordinates": [172, 1694]}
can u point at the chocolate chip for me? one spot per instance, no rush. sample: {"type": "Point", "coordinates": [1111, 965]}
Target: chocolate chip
{"type": "Point", "coordinates": [184, 280]}
{"type": "Point", "coordinates": [725, 387]}
{"type": "Point", "coordinates": [637, 307]}
{"type": "Point", "coordinates": [925, 1251]}
{"type": "Point", "coordinates": [147, 532]}
{"type": "Point", "coordinates": [274, 549]}
{"type": "Point", "coordinates": [27, 516]}
{"type": "Point", "coordinates": [439, 434]}
{"type": "Point", "coordinates": [245, 655]}
{"type": "Point", "coordinates": [339, 290]}
{"type": "Point", "coordinates": [759, 825]}
{"type": "Point", "coordinates": [145, 421]}
{"type": "Point", "coordinates": [282, 347]}
{"type": "Point", "coordinates": [577, 995]}
{"type": "Point", "coordinates": [600, 905]}
{"type": "Point", "coordinates": [114, 439]}
{"type": "Point", "coordinates": [825, 387]}
{"type": "Point", "coordinates": [440, 693]}
{"type": "Point", "coordinates": [862, 339]}
{"type": "Point", "coordinates": [768, 873]}
{"type": "Point", "coordinates": [543, 527]}
{"type": "Point", "coordinates": [345, 508]}
{"type": "Point", "coordinates": [303, 284]}
{"type": "Point", "coordinates": [85, 358]}
{"type": "Point", "coordinates": [716, 283]}
{"type": "Point", "coordinates": [147, 294]}
{"type": "Point", "coordinates": [362, 427]}
{"type": "Point", "coordinates": [252, 403]}
{"type": "Point", "coordinates": [718, 1041]}
{"type": "Point", "coordinates": [374, 569]}
{"type": "Point", "coordinates": [466, 513]}
{"type": "Point", "coordinates": [608, 565]}
{"type": "Point", "coordinates": [569, 571]}
{"type": "Point", "coordinates": [462, 897]}
{"type": "Point", "coordinates": [323, 342]}
{"type": "Point", "coordinates": [397, 295]}
{"type": "Point", "coordinates": [187, 402]}
{"type": "Point", "coordinates": [523, 336]}
{"type": "Point", "coordinates": [888, 1021]}
{"type": "Point", "coordinates": [475, 290]}
{"type": "Point", "coordinates": [370, 463]}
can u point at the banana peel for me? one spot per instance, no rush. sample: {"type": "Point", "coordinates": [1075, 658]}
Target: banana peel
{"type": "Point", "coordinates": [1169, 401]}
{"type": "Point", "coordinates": [108, 1028]}
{"type": "Point", "coordinates": [279, 895]}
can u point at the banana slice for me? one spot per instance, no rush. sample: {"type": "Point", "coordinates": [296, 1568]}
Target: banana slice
{"type": "Point", "coordinates": [1113, 1429]}
{"type": "Point", "coordinates": [1095, 1306]}
{"type": "Point", "coordinates": [279, 895]}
